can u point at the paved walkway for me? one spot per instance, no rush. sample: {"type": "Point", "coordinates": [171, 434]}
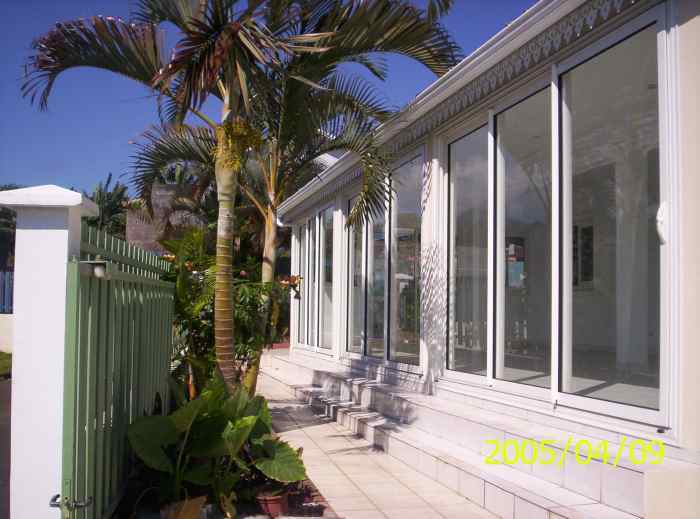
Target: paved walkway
{"type": "Point", "coordinates": [5, 386]}
{"type": "Point", "coordinates": [358, 481]}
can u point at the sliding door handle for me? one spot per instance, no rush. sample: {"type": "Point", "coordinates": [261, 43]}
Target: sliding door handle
{"type": "Point", "coordinates": [661, 223]}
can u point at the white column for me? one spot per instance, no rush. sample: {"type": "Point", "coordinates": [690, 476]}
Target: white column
{"type": "Point", "coordinates": [48, 234]}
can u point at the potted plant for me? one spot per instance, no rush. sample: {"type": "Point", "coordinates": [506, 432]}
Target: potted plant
{"type": "Point", "coordinates": [273, 499]}
{"type": "Point", "coordinates": [215, 449]}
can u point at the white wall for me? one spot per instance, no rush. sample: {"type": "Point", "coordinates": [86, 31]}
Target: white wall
{"type": "Point", "coordinates": [6, 322]}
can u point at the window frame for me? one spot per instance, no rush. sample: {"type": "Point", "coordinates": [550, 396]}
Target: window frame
{"type": "Point", "coordinates": [419, 153]}
{"type": "Point", "coordinates": [350, 233]}
{"type": "Point", "coordinates": [463, 129]}
{"type": "Point", "coordinates": [574, 406]}
{"type": "Point", "coordinates": [661, 418]}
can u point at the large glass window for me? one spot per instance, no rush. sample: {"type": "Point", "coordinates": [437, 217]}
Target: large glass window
{"type": "Point", "coordinates": [312, 290]}
{"type": "Point", "coordinates": [610, 152]}
{"type": "Point", "coordinates": [356, 287]}
{"type": "Point", "coordinates": [376, 268]}
{"type": "Point", "coordinates": [523, 172]}
{"type": "Point", "coordinates": [468, 263]}
{"type": "Point", "coordinates": [302, 274]}
{"type": "Point", "coordinates": [404, 303]}
{"type": "Point", "coordinates": [326, 279]}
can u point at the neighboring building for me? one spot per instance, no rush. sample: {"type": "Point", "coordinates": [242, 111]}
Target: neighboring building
{"type": "Point", "coordinates": [145, 231]}
{"type": "Point", "coordinates": [536, 274]}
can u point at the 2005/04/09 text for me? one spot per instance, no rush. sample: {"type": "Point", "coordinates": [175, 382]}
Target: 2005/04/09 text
{"type": "Point", "coordinates": [529, 452]}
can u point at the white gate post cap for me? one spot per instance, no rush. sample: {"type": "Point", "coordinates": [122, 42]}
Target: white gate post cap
{"type": "Point", "coordinates": [48, 196]}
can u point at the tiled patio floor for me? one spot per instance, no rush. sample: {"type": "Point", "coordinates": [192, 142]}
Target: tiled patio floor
{"type": "Point", "coordinates": [358, 481]}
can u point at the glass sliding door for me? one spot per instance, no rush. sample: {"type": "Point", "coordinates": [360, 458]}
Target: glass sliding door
{"type": "Point", "coordinates": [376, 295]}
{"type": "Point", "coordinates": [326, 279]}
{"type": "Point", "coordinates": [312, 290]}
{"type": "Point", "coordinates": [523, 180]}
{"type": "Point", "coordinates": [303, 259]}
{"type": "Point", "coordinates": [356, 287]}
{"type": "Point", "coordinates": [612, 261]}
{"type": "Point", "coordinates": [468, 262]}
{"type": "Point", "coordinates": [404, 303]}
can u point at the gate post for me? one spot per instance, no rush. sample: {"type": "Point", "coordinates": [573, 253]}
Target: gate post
{"type": "Point", "coordinates": [48, 234]}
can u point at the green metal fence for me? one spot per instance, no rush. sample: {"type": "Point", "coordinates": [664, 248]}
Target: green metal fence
{"type": "Point", "coordinates": [118, 348]}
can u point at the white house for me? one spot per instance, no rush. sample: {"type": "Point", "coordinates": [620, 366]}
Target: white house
{"type": "Point", "coordinates": [535, 276]}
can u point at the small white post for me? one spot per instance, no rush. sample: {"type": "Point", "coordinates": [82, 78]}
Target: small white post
{"type": "Point", "coordinates": [48, 234]}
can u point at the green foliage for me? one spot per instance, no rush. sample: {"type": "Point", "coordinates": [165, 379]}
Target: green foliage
{"type": "Point", "coordinates": [215, 444]}
{"type": "Point", "coordinates": [5, 364]}
{"type": "Point", "coordinates": [111, 200]}
{"type": "Point", "coordinates": [277, 460]}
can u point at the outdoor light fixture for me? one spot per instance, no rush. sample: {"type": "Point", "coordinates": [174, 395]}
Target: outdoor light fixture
{"type": "Point", "coordinates": [97, 267]}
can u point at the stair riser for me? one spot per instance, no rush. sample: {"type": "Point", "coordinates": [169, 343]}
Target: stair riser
{"type": "Point", "coordinates": [610, 485]}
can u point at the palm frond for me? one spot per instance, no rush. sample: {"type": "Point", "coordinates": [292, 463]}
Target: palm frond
{"type": "Point", "coordinates": [376, 190]}
{"type": "Point", "coordinates": [393, 26]}
{"type": "Point", "coordinates": [177, 12]}
{"type": "Point", "coordinates": [133, 50]}
{"type": "Point", "coordinates": [164, 147]}
{"type": "Point", "coordinates": [438, 8]}
{"type": "Point", "coordinates": [219, 46]}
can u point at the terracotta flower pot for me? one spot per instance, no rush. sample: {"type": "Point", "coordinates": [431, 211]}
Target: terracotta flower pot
{"type": "Point", "coordinates": [274, 506]}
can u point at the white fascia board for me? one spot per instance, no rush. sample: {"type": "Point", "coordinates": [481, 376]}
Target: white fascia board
{"type": "Point", "coordinates": [515, 34]}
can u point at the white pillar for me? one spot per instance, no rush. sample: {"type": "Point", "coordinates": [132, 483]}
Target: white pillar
{"type": "Point", "coordinates": [48, 234]}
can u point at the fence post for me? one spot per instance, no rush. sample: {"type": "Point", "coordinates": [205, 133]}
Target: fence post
{"type": "Point", "coordinates": [48, 234]}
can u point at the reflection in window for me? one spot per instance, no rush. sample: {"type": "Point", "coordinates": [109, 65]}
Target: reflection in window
{"type": "Point", "coordinates": [610, 140]}
{"type": "Point", "coordinates": [326, 280]}
{"type": "Point", "coordinates": [469, 259]}
{"type": "Point", "coordinates": [302, 275]}
{"type": "Point", "coordinates": [376, 256]}
{"type": "Point", "coordinates": [524, 156]}
{"type": "Point", "coordinates": [313, 286]}
{"type": "Point", "coordinates": [356, 287]}
{"type": "Point", "coordinates": [405, 263]}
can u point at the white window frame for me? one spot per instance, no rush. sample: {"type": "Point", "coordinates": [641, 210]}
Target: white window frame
{"type": "Point", "coordinates": [452, 135]}
{"type": "Point", "coordinates": [348, 235]}
{"type": "Point", "coordinates": [320, 251]}
{"type": "Point", "coordinates": [497, 213]}
{"type": "Point", "coordinates": [418, 152]}
{"type": "Point", "coordinates": [574, 405]}
{"type": "Point", "coordinates": [660, 418]}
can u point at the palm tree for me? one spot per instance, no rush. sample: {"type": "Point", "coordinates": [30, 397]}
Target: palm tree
{"type": "Point", "coordinates": [111, 201]}
{"type": "Point", "coordinates": [328, 110]}
{"type": "Point", "coordinates": [224, 48]}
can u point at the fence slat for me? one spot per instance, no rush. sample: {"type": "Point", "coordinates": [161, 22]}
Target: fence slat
{"type": "Point", "coordinates": [118, 347]}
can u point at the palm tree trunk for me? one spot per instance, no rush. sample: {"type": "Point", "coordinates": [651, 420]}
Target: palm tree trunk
{"type": "Point", "coordinates": [227, 184]}
{"type": "Point", "coordinates": [269, 261]}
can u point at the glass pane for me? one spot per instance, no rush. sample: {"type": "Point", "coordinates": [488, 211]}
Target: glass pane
{"type": "Point", "coordinates": [469, 261]}
{"type": "Point", "coordinates": [376, 256]}
{"type": "Point", "coordinates": [313, 287]}
{"type": "Point", "coordinates": [405, 263]}
{"type": "Point", "coordinates": [327, 279]}
{"type": "Point", "coordinates": [302, 274]}
{"type": "Point", "coordinates": [524, 165]}
{"type": "Point", "coordinates": [356, 289]}
{"type": "Point", "coordinates": [611, 153]}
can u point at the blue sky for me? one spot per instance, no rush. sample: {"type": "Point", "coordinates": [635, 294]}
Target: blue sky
{"type": "Point", "coordinates": [93, 115]}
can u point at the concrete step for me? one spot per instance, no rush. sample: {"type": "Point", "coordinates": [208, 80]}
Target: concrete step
{"type": "Point", "coordinates": [455, 434]}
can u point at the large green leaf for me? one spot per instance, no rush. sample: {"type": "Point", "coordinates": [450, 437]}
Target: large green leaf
{"type": "Point", "coordinates": [184, 417]}
{"type": "Point", "coordinates": [206, 437]}
{"type": "Point", "coordinates": [282, 462]}
{"type": "Point", "coordinates": [199, 474]}
{"type": "Point", "coordinates": [258, 407]}
{"type": "Point", "coordinates": [148, 435]}
{"type": "Point", "coordinates": [235, 406]}
{"type": "Point", "coordinates": [236, 434]}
